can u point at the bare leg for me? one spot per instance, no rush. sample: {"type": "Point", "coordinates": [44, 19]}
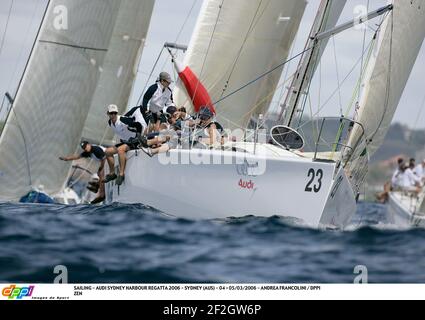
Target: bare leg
{"type": "Point", "coordinates": [122, 157]}
{"type": "Point", "coordinates": [162, 149]}
{"type": "Point", "coordinates": [157, 124]}
{"type": "Point", "coordinates": [101, 174]}
{"type": "Point", "coordinates": [111, 163]}
{"type": "Point", "coordinates": [155, 141]}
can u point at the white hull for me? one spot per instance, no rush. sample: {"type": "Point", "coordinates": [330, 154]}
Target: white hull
{"type": "Point", "coordinates": [404, 210]}
{"type": "Point", "coordinates": [215, 191]}
{"type": "Point", "coordinates": [68, 197]}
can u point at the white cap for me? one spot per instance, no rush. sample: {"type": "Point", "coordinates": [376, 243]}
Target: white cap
{"type": "Point", "coordinates": [165, 76]}
{"type": "Point", "coordinates": [112, 108]}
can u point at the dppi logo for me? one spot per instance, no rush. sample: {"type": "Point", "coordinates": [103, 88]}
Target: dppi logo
{"type": "Point", "coordinates": [13, 292]}
{"type": "Point", "coordinates": [246, 184]}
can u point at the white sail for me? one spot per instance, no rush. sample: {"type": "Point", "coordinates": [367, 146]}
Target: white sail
{"type": "Point", "coordinates": [398, 46]}
{"type": "Point", "coordinates": [326, 19]}
{"type": "Point", "coordinates": [51, 105]}
{"type": "Point", "coordinates": [120, 66]}
{"type": "Point", "coordinates": [235, 42]}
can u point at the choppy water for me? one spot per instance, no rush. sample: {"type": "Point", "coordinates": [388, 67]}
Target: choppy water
{"type": "Point", "coordinates": [134, 244]}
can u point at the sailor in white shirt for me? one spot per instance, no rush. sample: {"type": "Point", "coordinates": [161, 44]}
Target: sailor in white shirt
{"type": "Point", "coordinates": [413, 179]}
{"type": "Point", "coordinates": [128, 131]}
{"type": "Point", "coordinates": [157, 99]}
{"type": "Point", "coordinates": [402, 181]}
{"type": "Point", "coordinates": [419, 170]}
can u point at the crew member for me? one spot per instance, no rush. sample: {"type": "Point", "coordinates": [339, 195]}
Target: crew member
{"type": "Point", "coordinates": [157, 98]}
{"type": "Point", "coordinates": [97, 153]}
{"type": "Point", "coordinates": [128, 131]}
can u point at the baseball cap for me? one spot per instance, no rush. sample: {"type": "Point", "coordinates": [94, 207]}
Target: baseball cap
{"type": "Point", "coordinates": [84, 144]}
{"type": "Point", "coordinates": [112, 108]}
{"type": "Point", "coordinates": [171, 110]}
{"type": "Point", "coordinates": [165, 76]}
{"type": "Point", "coordinates": [205, 113]}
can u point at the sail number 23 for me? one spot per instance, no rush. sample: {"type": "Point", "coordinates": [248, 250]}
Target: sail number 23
{"type": "Point", "coordinates": [315, 182]}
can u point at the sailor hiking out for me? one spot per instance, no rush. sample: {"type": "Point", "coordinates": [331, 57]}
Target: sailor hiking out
{"type": "Point", "coordinates": [96, 153]}
{"type": "Point", "coordinates": [128, 131]}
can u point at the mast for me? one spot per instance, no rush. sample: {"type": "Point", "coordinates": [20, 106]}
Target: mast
{"type": "Point", "coordinates": [326, 18]}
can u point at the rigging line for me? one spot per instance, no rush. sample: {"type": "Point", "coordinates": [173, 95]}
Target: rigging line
{"type": "Point", "coordinates": [27, 160]}
{"type": "Point", "coordinates": [73, 45]}
{"type": "Point", "coordinates": [263, 75]}
{"type": "Point", "coordinates": [208, 51]}
{"type": "Point", "coordinates": [319, 95]}
{"type": "Point", "coordinates": [282, 92]}
{"type": "Point", "coordinates": [6, 27]}
{"type": "Point", "coordinates": [323, 25]}
{"type": "Point", "coordinates": [180, 33]}
{"type": "Point", "coordinates": [250, 29]}
{"type": "Point", "coordinates": [263, 100]}
{"type": "Point", "coordinates": [150, 76]}
{"type": "Point", "coordinates": [27, 63]}
{"type": "Point", "coordinates": [363, 45]}
{"type": "Point", "coordinates": [1, 110]}
{"type": "Point", "coordinates": [388, 89]}
{"type": "Point", "coordinates": [185, 21]}
{"type": "Point", "coordinates": [357, 89]}
{"type": "Point", "coordinates": [256, 105]}
{"type": "Point", "coordinates": [181, 30]}
{"type": "Point", "coordinates": [415, 126]}
{"type": "Point", "coordinates": [337, 76]}
{"type": "Point", "coordinates": [336, 90]}
{"type": "Point", "coordinates": [162, 50]}
{"type": "Point", "coordinates": [27, 33]}
{"type": "Point", "coordinates": [309, 83]}
{"type": "Point", "coordinates": [294, 106]}
{"type": "Point", "coordinates": [357, 92]}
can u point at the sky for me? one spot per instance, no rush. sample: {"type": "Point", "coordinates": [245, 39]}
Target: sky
{"type": "Point", "coordinates": [173, 21]}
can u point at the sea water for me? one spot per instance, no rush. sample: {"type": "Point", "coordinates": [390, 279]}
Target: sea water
{"type": "Point", "coordinates": [136, 244]}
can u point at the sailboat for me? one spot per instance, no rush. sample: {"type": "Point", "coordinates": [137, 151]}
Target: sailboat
{"type": "Point", "coordinates": [85, 56]}
{"type": "Point", "coordinates": [250, 176]}
{"type": "Point", "coordinates": [276, 176]}
{"type": "Point", "coordinates": [406, 209]}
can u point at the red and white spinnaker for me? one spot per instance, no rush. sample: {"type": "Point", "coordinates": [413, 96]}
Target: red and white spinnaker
{"type": "Point", "coordinates": [196, 91]}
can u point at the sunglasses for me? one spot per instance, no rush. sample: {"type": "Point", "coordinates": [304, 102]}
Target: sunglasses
{"type": "Point", "coordinates": [112, 113]}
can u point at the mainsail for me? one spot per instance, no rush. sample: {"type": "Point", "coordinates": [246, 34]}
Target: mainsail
{"type": "Point", "coordinates": [234, 42]}
{"type": "Point", "coordinates": [120, 66]}
{"type": "Point", "coordinates": [51, 106]}
{"type": "Point", "coordinates": [326, 18]}
{"type": "Point", "coordinates": [388, 70]}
